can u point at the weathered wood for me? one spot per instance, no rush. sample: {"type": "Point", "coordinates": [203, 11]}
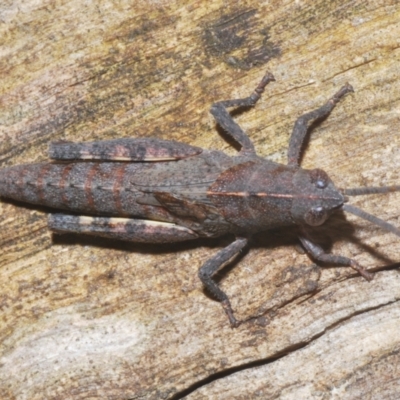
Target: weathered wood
{"type": "Point", "coordinates": [92, 318]}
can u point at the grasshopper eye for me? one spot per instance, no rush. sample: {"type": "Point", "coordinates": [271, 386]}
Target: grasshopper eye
{"type": "Point", "coordinates": [319, 178]}
{"type": "Point", "coordinates": [315, 216]}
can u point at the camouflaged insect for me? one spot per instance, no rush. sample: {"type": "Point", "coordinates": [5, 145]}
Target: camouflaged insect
{"type": "Point", "coordinates": [159, 191]}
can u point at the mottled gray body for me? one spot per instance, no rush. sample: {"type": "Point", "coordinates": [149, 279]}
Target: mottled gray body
{"type": "Point", "coordinates": [209, 193]}
{"type": "Point", "coordinates": [150, 190]}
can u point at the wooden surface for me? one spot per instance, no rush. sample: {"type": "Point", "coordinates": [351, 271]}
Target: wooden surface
{"type": "Point", "coordinates": [85, 318]}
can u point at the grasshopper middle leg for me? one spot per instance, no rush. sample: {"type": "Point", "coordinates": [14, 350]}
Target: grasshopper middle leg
{"type": "Point", "coordinates": [212, 266]}
{"type": "Point", "coordinates": [222, 116]}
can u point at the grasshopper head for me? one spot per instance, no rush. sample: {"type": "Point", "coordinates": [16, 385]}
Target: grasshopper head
{"type": "Point", "coordinates": [316, 197]}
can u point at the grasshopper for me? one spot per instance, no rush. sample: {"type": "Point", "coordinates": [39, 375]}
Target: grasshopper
{"type": "Point", "coordinates": [159, 191]}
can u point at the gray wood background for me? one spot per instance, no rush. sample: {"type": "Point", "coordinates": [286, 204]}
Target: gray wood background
{"type": "Point", "coordinates": [84, 318]}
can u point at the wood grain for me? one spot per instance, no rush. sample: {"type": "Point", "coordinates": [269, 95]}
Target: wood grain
{"type": "Point", "coordinates": [84, 318]}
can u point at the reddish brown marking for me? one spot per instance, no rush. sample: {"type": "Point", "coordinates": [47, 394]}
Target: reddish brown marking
{"type": "Point", "coordinates": [88, 186]}
{"type": "Point", "coordinates": [118, 186]}
{"type": "Point", "coordinates": [63, 180]}
{"type": "Point", "coordinates": [20, 183]}
{"type": "Point", "coordinates": [40, 181]}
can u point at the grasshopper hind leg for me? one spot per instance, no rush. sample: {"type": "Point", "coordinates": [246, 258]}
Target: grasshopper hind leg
{"type": "Point", "coordinates": [127, 229]}
{"type": "Point", "coordinates": [124, 149]}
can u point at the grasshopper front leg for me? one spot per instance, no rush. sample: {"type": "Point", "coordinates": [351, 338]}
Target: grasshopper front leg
{"type": "Point", "coordinates": [319, 254]}
{"type": "Point", "coordinates": [212, 266]}
{"type": "Point", "coordinates": [300, 129]}
{"type": "Point", "coordinates": [127, 229]}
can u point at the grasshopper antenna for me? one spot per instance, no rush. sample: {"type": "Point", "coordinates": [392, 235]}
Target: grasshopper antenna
{"type": "Point", "coordinates": [369, 217]}
{"type": "Point", "coordinates": [371, 190]}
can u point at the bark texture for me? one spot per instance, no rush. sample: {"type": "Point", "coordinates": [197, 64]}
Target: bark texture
{"type": "Point", "coordinates": [86, 318]}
